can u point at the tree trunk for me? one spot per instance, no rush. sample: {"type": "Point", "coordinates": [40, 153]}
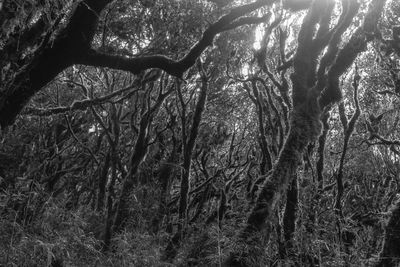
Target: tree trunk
{"type": "Point", "coordinates": [188, 149]}
{"type": "Point", "coordinates": [305, 127]}
{"type": "Point", "coordinates": [289, 217]}
{"type": "Point", "coordinates": [50, 59]}
{"type": "Point", "coordinates": [138, 155]}
{"type": "Point", "coordinates": [164, 179]}
{"type": "Point", "coordinates": [390, 253]}
{"type": "Point", "coordinates": [102, 183]}
{"type": "Point", "coordinates": [321, 149]}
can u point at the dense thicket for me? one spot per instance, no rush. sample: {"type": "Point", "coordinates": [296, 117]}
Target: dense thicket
{"type": "Point", "coordinates": [199, 133]}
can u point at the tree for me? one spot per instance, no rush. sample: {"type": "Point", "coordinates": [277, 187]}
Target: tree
{"type": "Point", "coordinates": [313, 90]}
{"type": "Point", "coordinates": [72, 45]}
{"type": "Point", "coordinates": [199, 133]}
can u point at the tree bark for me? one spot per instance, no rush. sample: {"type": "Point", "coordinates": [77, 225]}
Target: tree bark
{"type": "Point", "coordinates": [138, 155]}
{"type": "Point", "coordinates": [188, 149]}
{"type": "Point", "coordinates": [289, 217]}
{"type": "Point", "coordinates": [188, 146]}
{"type": "Point", "coordinates": [305, 126]}
{"type": "Point", "coordinates": [103, 177]}
{"type": "Point", "coordinates": [50, 59]}
{"type": "Point", "coordinates": [164, 178]}
{"type": "Point", "coordinates": [321, 149]}
{"type": "Point", "coordinates": [390, 253]}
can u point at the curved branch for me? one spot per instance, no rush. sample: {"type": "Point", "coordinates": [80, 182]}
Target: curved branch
{"type": "Point", "coordinates": [76, 105]}
{"type": "Point", "coordinates": [347, 55]}
{"type": "Point", "coordinates": [176, 67]}
{"type": "Point", "coordinates": [72, 46]}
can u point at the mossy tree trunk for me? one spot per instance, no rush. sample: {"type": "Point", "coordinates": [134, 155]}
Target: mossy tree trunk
{"type": "Point", "coordinates": [50, 58]}
{"type": "Point", "coordinates": [390, 253]}
{"type": "Point", "coordinates": [321, 149]}
{"type": "Point", "coordinates": [315, 87]}
{"type": "Point", "coordinates": [188, 147]}
{"type": "Point", "coordinates": [103, 177]}
{"type": "Point", "coordinates": [348, 128]}
{"type": "Point", "coordinates": [138, 155]}
{"type": "Point", "coordinates": [289, 216]}
{"type": "Point", "coordinates": [165, 181]}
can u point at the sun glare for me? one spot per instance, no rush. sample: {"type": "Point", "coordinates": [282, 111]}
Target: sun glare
{"type": "Point", "coordinates": [259, 32]}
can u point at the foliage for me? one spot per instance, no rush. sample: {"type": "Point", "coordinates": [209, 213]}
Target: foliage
{"type": "Point", "coordinates": [91, 171]}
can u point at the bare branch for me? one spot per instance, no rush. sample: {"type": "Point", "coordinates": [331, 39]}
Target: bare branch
{"type": "Point", "coordinates": [347, 55]}
{"type": "Point", "coordinates": [172, 67]}
{"type": "Point", "coordinates": [76, 105]}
